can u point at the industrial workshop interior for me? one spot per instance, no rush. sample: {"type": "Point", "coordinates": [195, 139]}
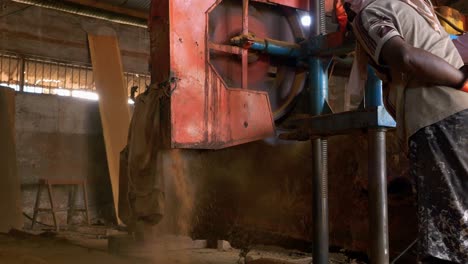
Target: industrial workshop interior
{"type": "Point", "coordinates": [205, 132]}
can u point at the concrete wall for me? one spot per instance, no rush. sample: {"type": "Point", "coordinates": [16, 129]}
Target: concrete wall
{"type": "Point", "coordinates": [43, 32]}
{"type": "Point", "coordinates": [58, 136]}
{"type": "Point", "coordinates": [61, 137]}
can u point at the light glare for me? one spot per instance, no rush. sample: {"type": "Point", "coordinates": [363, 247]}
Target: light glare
{"type": "Point", "coordinates": [306, 21]}
{"type": "Point", "coordinates": [85, 95]}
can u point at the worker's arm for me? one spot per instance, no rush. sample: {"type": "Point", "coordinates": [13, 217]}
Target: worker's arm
{"type": "Point", "coordinates": [400, 56]}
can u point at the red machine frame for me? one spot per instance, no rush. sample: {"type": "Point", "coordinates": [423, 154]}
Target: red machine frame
{"type": "Point", "coordinates": [201, 111]}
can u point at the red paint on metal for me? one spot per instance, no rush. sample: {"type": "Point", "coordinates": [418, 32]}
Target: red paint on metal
{"type": "Point", "coordinates": [202, 112]}
{"type": "Point", "coordinates": [225, 48]}
{"type": "Point", "coordinates": [227, 66]}
{"type": "Point", "coordinates": [299, 4]}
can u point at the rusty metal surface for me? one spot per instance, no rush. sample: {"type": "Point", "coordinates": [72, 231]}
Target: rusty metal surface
{"type": "Point", "coordinates": [201, 111]}
{"type": "Point", "coordinates": [275, 75]}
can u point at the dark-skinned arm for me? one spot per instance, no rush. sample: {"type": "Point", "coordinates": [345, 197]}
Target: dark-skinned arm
{"type": "Point", "coordinates": [402, 57]}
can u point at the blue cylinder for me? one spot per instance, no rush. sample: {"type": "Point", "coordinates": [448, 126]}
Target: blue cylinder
{"type": "Point", "coordinates": [273, 48]}
{"type": "Point", "coordinates": [318, 84]}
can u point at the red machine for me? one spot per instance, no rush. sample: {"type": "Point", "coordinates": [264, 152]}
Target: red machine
{"type": "Point", "coordinates": [206, 92]}
{"type": "Point", "coordinates": [220, 95]}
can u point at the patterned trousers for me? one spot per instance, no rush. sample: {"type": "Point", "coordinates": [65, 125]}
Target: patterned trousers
{"type": "Point", "coordinates": [439, 165]}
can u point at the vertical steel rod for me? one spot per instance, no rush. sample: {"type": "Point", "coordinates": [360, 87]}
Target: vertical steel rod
{"type": "Point", "coordinates": [319, 203]}
{"type": "Point", "coordinates": [9, 73]}
{"type": "Point", "coordinates": [245, 52]}
{"type": "Point", "coordinates": [378, 215]}
{"type": "Point", "coordinates": [318, 84]}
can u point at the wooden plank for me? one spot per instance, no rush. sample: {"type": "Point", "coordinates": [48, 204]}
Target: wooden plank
{"type": "Point", "coordinates": [113, 102]}
{"type": "Point", "coordinates": [10, 192]}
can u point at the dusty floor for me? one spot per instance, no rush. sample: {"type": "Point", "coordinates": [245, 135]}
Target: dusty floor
{"type": "Point", "coordinates": [59, 250]}
{"type": "Point", "coordinates": [84, 248]}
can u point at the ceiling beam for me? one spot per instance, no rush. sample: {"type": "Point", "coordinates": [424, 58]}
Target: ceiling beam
{"type": "Point", "coordinates": [111, 8]}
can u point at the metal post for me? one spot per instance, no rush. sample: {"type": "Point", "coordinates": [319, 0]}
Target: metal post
{"type": "Point", "coordinates": [378, 215]}
{"type": "Point", "coordinates": [318, 79]}
{"type": "Point", "coordinates": [318, 84]}
{"type": "Point", "coordinates": [319, 203]}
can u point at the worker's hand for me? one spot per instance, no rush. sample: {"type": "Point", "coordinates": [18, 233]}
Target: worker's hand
{"type": "Point", "coordinates": [464, 69]}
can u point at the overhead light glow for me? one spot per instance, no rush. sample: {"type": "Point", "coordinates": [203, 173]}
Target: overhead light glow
{"type": "Point", "coordinates": [306, 20]}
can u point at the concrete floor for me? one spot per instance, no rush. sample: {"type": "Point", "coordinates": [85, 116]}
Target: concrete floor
{"type": "Point", "coordinates": [42, 250]}
{"type": "Point", "coordinates": [81, 248]}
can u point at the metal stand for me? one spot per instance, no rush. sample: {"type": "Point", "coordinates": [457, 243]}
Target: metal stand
{"type": "Point", "coordinates": [318, 84]}
{"type": "Point", "coordinates": [322, 123]}
{"type": "Point", "coordinates": [319, 203]}
{"type": "Point", "coordinates": [378, 213]}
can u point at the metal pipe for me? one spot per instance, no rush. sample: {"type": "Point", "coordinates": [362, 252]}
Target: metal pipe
{"type": "Point", "coordinates": [276, 48]}
{"type": "Point", "coordinates": [269, 46]}
{"type": "Point", "coordinates": [318, 82]}
{"type": "Point", "coordinates": [378, 214]}
{"type": "Point", "coordinates": [317, 16]}
{"type": "Point", "coordinates": [87, 11]}
{"type": "Point", "coordinates": [320, 201]}
{"type": "Point", "coordinates": [319, 205]}
{"type": "Point", "coordinates": [318, 85]}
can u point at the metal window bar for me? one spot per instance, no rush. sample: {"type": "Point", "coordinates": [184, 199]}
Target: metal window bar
{"type": "Point", "coordinates": [140, 81]}
{"type": "Point", "coordinates": [9, 70]}
{"type": "Point", "coordinates": [48, 76]}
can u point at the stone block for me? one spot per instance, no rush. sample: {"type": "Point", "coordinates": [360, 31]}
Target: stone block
{"type": "Point", "coordinates": [224, 245]}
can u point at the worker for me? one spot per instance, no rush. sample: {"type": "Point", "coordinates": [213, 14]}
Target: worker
{"type": "Point", "coordinates": [461, 43]}
{"type": "Point", "coordinates": [425, 87]}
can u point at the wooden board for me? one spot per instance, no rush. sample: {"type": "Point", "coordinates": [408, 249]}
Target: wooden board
{"type": "Point", "coordinates": [10, 187]}
{"type": "Point", "coordinates": [113, 102]}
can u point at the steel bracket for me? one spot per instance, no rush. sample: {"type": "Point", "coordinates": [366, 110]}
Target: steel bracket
{"type": "Point", "coordinates": [338, 124]}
